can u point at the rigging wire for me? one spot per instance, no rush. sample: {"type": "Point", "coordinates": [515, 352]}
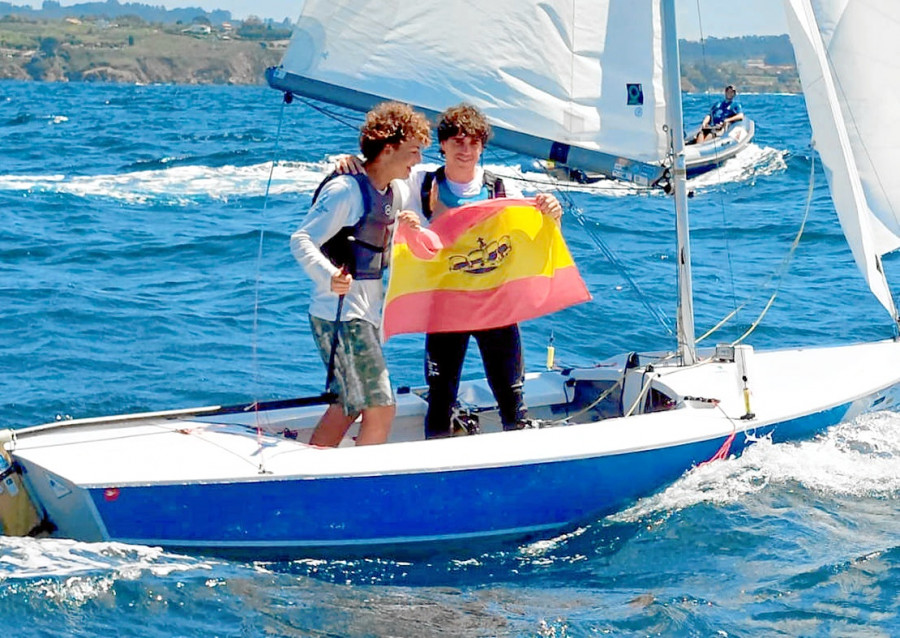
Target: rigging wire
{"type": "Point", "coordinates": [656, 313]}
{"type": "Point", "coordinates": [785, 262]}
{"type": "Point", "coordinates": [779, 273]}
{"type": "Point", "coordinates": [718, 175]}
{"type": "Point", "coordinates": [610, 255]}
{"type": "Point", "coordinates": [257, 280]}
{"type": "Point", "coordinates": [327, 113]}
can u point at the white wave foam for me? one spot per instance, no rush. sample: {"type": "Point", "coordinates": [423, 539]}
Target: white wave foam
{"type": "Point", "coordinates": [29, 558]}
{"type": "Point", "coordinates": [754, 161]}
{"type": "Point", "coordinates": [860, 458]}
{"type": "Point", "coordinates": [178, 184]}
{"type": "Point", "coordinates": [532, 181]}
{"type": "Point", "coordinates": [181, 185]}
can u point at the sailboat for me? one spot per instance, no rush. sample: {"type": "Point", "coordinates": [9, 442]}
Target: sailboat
{"type": "Point", "coordinates": [593, 86]}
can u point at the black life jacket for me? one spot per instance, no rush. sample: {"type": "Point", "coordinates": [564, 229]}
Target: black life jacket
{"type": "Point", "coordinates": [494, 185]}
{"type": "Point", "coordinates": [364, 248]}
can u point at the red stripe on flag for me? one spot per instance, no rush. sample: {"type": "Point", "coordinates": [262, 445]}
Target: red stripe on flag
{"type": "Point", "coordinates": [463, 310]}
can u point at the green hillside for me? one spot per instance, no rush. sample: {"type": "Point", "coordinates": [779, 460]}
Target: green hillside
{"type": "Point", "coordinates": [129, 49]}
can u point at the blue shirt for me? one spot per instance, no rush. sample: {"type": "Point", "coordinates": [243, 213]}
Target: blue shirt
{"type": "Point", "coordinates": [452, 200]}
{"type": "Point", "coordinates": [723, 110]}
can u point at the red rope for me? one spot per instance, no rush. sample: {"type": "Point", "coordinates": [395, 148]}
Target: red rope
{"type": "Point", "coordinates": [722, 454]}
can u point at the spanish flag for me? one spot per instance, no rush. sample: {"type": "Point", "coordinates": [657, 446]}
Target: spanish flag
{"type": "Point", "coordinates": [480, 266]}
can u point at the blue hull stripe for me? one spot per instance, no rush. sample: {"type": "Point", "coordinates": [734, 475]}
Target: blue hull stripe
{"type": "Point", "coordinates": [381, 509]}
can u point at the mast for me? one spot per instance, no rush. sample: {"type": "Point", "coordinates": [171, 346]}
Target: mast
{"type": "Point", "coordinates": [672, 75]}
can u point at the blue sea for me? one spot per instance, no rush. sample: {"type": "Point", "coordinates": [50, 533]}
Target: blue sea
{"type": "Point", "coordinates": [144, 265]}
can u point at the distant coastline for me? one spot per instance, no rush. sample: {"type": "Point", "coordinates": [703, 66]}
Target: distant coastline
{"type": "Point", "coordinates": [129, 49]}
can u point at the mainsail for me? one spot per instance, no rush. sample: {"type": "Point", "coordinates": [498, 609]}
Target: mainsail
{"type": "Point", "coordinates": [848, 57]}
{"type": "Point", "coordinates": [576, 81]}
{"type": "Point", "coordinates": [594, 85]}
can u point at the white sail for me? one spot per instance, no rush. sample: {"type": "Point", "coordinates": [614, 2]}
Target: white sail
{"type": "Point", "coordinates": [553, 73]}
{"type": "Point", "coordinates": [848, 56]}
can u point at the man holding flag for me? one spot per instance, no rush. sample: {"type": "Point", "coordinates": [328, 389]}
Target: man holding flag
{"type": "Point", "coordinates": [462, 133]}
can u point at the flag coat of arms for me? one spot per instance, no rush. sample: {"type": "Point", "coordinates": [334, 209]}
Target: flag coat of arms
{"type": "Point", "coordinates": [484, 265]}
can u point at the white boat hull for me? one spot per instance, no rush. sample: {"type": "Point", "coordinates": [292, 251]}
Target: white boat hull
{"type": "Point", "coordinates": [204, 480]}
{"type": "Point", "coordinates": [699, 158]}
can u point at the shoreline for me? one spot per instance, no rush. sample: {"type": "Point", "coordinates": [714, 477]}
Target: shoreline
{"type": "Point", "coordinates": [136, 52]}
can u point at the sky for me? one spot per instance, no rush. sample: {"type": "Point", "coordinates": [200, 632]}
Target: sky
{"type": "Point", "coordinates": [718, 19]}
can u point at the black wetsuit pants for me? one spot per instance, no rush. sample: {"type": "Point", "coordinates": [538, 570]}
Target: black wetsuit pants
{"type": "Point", "coordinates": [504, 366]}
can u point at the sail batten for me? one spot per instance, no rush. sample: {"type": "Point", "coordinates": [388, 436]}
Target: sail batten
{"type": "Point", "coordinates": [588, 89]}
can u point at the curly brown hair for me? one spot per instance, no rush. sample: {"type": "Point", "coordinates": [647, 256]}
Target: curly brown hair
{"type": "Point", "coordinates": [391, 123]}
{"type": "Point", "coordinates": [463, 119]}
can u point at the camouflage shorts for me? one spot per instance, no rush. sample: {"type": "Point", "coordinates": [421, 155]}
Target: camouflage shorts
{"type": "Point", "coordinates": [360, 374]}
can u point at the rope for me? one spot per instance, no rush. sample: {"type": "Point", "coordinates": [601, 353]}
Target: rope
{"type": "Point", "coordinates": [258, 279]}
{"type": "Point", "coordinates": [778, 275]}
{"type": "Point", "coordinates": [725, 448]}
{"type": "Point", "coordinates": [568, 418]}
{"type": "Point", "coordinates": [647, 382]}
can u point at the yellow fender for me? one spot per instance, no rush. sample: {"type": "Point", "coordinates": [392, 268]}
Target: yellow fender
{"type": "Point", "coordinates": [18, 515]}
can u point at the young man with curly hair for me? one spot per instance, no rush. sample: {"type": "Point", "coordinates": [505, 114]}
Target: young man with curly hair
{"type": "Point", "coordinates": [463, 132]}
{"type": "Point", "coordinates": [343, 245]}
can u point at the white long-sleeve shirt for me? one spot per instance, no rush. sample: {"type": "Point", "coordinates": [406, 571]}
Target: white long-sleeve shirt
{"type": "Point", "coordinates": [339, 204]}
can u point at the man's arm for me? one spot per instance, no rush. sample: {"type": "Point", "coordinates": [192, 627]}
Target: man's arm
{"type": "Point", "coordinates": [409, 189]}
{"type": "Point", "coordinates": [738, 114]}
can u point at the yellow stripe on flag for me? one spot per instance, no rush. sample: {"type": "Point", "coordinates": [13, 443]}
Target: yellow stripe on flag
{"type": "Point", "coordinates": [515, 243]}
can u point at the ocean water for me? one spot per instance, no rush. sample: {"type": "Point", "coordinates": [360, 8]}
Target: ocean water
{"type": "Point", "coordinates": [143, 267]}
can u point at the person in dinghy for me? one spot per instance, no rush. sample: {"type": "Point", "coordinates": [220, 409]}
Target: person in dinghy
{"type": "Point", "coordinates": [463, 131]}
{"type": "Point", "coordinates": [720, 116]}
{"type": "Point", "coordinates": [343, 245]}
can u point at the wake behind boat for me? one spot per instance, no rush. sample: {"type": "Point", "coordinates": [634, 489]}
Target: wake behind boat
{"type": "Point", "coordinates": [241, 479]}
{"type": "Point", "coordinates": [700, 157]}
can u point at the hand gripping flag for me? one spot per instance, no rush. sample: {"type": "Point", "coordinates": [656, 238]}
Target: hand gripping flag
{"type": "Point", "coordinates": [480, 266]}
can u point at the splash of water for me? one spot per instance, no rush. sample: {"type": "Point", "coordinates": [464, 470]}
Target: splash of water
{"type": "Point", "coordinates": [184, 185]}
{"type": "Point", "coordinates": [23, 558]}
{"type": "Point", "coordinates": [857, 459]}
{"type": "Point", "coordinates": [179, 185]}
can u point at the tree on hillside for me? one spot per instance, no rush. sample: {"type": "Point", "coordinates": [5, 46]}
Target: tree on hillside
{"type": "Point", "coordinates": [49, 47]}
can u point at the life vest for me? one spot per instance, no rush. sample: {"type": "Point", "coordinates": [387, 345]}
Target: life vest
{"type": "Point", "coordinates": [363, 249]}
{"type": "Point", "coordinates": [493, 186]}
